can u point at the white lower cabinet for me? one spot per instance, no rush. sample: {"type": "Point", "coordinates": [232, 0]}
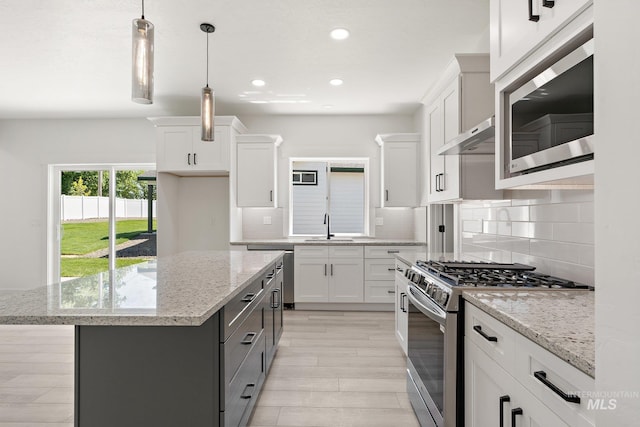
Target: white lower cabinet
{"type": "Point", "coordinates": [329, 274]}
{"type": "Point", "coordinates": [501, 387]}
{"type": "Point", "coordinates": [401, 311]}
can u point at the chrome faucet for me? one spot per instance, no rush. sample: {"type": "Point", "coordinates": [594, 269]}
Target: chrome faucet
{"type": "Point", "coordinates": [326, 222]}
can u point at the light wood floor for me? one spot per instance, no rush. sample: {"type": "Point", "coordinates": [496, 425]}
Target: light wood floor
{"type": "Point", "coordinates": [331, 369]}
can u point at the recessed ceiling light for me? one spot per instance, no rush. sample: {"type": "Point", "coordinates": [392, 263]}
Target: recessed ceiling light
{"type": "Point", "coordinates": [258, 102]}
{"type": "Point", "coordinates": [335, 82]}
{"type": "Point", "coordinates": [258, 82]}
{"type": "Point", "coordinates": [339, 34]}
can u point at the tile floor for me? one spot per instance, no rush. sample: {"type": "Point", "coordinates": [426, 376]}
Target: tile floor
{"type": "Point", "coordinates": [331, 369]}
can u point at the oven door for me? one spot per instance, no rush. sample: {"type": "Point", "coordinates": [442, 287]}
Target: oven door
{"type": "Point", "coordinates": [432, 361]}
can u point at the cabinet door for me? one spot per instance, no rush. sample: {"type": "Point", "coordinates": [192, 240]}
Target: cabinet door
{"type": "Point", "coordinates": [401, 312]}
{"type": "Point", "coordinates": [346, 280]}
{"type": "Point", "coordinates": [450, 181]}
{"type": "Point", "coordinates": [513, 35]}
{"type": "Point", "coordinates": [212, 155]}
{"type": "Point", "coordinates": [311, 282]}
{"type": "Point", "coordinates": [174, 148]}
{"type": "Point", "coordinates": [256, 175]}
{"type": "Point", "coordinates": [436, 162]}
{"type": "Point", "coordinates": [400, 174]}
{"type": "Point", "coordinates": [485, 382]}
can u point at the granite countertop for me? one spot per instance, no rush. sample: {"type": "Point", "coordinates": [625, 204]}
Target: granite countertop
{"type": "Point", "coordinates": [355, 241]}
{"type": "Point", "coordinates": [178, 290]}
{"type": "Point", "coordinates": [562, 322]}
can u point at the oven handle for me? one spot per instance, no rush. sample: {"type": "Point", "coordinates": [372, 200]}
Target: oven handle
{"type": "Point", "coordinates": [426, 306]}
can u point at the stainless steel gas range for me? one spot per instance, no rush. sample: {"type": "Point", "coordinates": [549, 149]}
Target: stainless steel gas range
{"type": "Point", "coordinates": [435, 377]}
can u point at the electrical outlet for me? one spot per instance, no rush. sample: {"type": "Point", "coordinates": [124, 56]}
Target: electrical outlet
{"type": "Point", "coordinates": [380, 221]}
{"type": "Point", "coordinates": [266, 220]}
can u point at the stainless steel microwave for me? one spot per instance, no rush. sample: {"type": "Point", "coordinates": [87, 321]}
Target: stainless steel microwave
{"type": "Point", "coordinates": [550, 117]}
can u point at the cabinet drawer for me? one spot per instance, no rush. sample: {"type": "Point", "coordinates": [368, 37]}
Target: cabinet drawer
{"type": "Point", "coordinates": [242, 390]}
{"type": "Point", "coordinates": [379, 269]}
{"type": "Point", "coordinates": [311, 251]}
{"type": "Point", "coordinates": [531, 358]}
{"type": "Point", "coordinates": [346, 251]}
{"type": "Point", "coordinates": [387, 252]}
{"type": "Point", "coordinates": [236, 310]}
{"type": "Point", "coordinates": [241, 341]}
{"type": "Point", "coordinates": [379, 291]}
{"type": "Point", "coordinates": [491, 335]}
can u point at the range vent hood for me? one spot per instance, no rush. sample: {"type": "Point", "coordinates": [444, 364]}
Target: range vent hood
{"type": "Point", "coordinates": [478, 140]}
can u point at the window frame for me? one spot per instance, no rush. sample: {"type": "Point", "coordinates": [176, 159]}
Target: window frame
{"type": "Point", "coordinates": [367, 210]}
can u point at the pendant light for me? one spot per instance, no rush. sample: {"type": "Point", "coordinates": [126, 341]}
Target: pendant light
{"type": "Point", "coordinates": [208, 101]}
{"type": "Point", "coordinates": [142, 69]}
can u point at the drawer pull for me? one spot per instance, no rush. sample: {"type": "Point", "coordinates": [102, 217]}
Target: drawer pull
{"type": "Point", "coordinates": [248, 339]}
{"type": "Point", "coordinates": [391, 269]}
{"type": "Point", "coordinates": [548, 3]}
{"type": "Point", "coordinates": [402, 304]}
{"type": "Point", "coordinates": [542, 377]}
{"type": "Point", "coordinates": [393, 252]}
{"type": "Point", "coordinates": [399, 269]}
{"type": "Point", "coordinates": [502, 400]}
{"type": "Point", "coordinates": [275, 303]}
{"type": "Point", "coordinates": [514, 413]}
{"type": "Point", "coordinates": [391, 291]}
{"type": "Point", "coordinates": [246, 395]}
{"type": "Point", "coordinates": [478, 329]}
{"type": "Point", "coordinates": [248, 298]}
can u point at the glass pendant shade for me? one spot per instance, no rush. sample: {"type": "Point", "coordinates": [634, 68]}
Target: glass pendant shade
{"type": "Point", "coordinates": [207, 113]}
{"type": "Point", "coordinates": [142, 69]}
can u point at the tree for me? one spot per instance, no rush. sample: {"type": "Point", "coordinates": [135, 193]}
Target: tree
{"type": "Point", "coordinates": [78, 188]}
{"type": "Point", "coordinates": [127, 184]}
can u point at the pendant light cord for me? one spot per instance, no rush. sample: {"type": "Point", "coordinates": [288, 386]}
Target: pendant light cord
{"type": "Point", "coordinates": [142, 9]}
{"type": "Point", "coordinates": [207, 59]}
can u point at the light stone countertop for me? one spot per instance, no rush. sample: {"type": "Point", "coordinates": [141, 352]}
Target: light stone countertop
{"type": "Point", "coordinates": [348, 241]}
{"type": "Point", "coordinates": [562, 322]}
{"type": "Point", "coordinates": [178, 290]}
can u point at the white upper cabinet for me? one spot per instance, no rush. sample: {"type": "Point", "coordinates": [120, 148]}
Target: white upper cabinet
{"type": "Point", "coordinates": [257, 169]}
{"type": "Point", "coordinates": [462, 98]}
{"type": "Point", "coordinates": [399, 169]}
{"type": "Point", "coordinates": [520, 26]}
{"type": "Point", "coordinates": [181, 151]}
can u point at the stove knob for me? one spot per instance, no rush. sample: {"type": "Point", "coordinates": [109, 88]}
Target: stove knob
{"type": "Point", "coordinates": [419, 280]}
{"type": "Point", "coordinates": [444, 298]}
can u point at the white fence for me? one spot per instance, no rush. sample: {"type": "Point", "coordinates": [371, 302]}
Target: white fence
{"type": "Point", "coordinates": [89, 207]}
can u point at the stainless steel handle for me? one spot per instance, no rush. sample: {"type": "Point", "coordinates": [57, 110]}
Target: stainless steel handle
{"type": "Point", "coordinates": [248, 339]}
{"type": "Point", "coordinates": [279, 294]}
{"type": "Point", "coordinates": [189, 159]}
{"type": "Point", "coordinates": [428, 308]}
{"type": "Point", "coordinates": [194, 159]}
{"type": "Point", "coordinates": [532, 17]}
{"type": "Point", "coordinates": [402, 306]}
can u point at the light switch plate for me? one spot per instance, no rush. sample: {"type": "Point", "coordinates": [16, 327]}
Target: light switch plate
{"type": "Point", "coordinates": [266, 220]}
{"type": "Point", "coordinates": [379, 221]}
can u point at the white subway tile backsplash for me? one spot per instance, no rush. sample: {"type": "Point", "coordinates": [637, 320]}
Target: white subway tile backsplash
{"type": "Point", "coordinates": [551, 230]}
{"type": "Point", "coordinates": [569, 212]}
{"type": "Point", "coordinates": [573, 232]}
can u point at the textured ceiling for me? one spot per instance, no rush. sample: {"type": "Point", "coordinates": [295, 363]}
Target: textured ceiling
{"type": "Point", "coordinates": [72, 58]}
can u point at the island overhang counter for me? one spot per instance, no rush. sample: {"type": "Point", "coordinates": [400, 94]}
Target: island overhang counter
{"type": "Point", "coordinates": [177, 341]}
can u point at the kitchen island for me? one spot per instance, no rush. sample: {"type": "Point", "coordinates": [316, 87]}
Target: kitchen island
{"type": "Point", "coordinates": [180, 341]}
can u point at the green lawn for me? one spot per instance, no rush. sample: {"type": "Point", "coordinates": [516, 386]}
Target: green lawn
{"type": "Point", "coordinates": [79, 267]}
{"type": "Point", "coordinates": [80, 238]}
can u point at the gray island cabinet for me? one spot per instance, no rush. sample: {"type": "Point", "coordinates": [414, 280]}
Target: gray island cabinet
{"type": "Point", "coordinates": [186, 340]}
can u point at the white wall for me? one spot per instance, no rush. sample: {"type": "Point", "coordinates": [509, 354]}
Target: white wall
{"type": "Point", "coordinates": [26, 148]}
{"type": "Point", "coordinates": [319, 136]}
{"type": "Point", "coordinates": [617, 203]}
